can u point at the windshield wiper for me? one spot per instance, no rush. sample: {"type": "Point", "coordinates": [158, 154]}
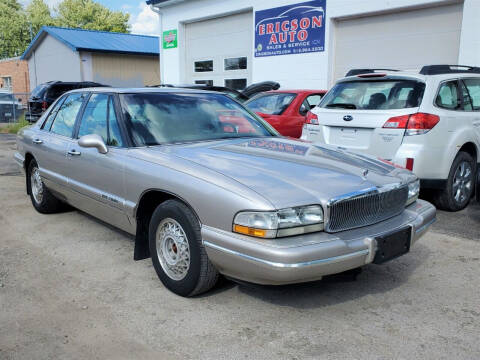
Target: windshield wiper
{"type": "Point", "coordinates": [342, 105]}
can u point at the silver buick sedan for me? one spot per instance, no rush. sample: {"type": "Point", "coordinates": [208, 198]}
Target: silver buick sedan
{"type": "Point", "coordinates": [209, 188]}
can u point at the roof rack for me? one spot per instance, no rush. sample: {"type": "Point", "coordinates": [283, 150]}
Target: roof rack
{"type": "Point", "coordinates": [354, 72]}
{"type": "Point", "coordinates": [448, 69]}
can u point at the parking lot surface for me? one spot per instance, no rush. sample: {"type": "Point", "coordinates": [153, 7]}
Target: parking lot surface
{"type": "Point", "coordinates": [69, 289]}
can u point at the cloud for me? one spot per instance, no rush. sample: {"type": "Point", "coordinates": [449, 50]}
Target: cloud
{"type": "Point", "coordinates": [146, 22]}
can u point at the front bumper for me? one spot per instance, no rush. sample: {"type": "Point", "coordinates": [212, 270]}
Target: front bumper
{"type": "Point", "coordinates": [307, 257]}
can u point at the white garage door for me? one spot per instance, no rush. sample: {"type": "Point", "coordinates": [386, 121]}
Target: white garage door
{"type": "Point", "coordinates": [218, 51]}
{"type": "Point", "coordinates": [405, 40]}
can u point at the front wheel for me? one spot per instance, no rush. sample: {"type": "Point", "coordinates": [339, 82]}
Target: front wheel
{"type": "Point", "coordinates": [178, 255]}
{"type": "Point", "coordinates": [460, 184]}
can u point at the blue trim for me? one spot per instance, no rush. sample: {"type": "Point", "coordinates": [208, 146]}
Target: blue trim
{"type": "Point", "coordinates": [76, 39]}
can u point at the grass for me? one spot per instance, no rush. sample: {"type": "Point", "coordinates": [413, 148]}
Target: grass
{"type": "Point", "coordinates": [15, 127]}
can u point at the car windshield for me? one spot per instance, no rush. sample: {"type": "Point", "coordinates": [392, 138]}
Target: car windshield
{"type": "Point", "coordinates": [375, 95]}
{"type": "Point", "coordinates": [271, 104]}
{"type": "Point", "coordinates": [163, 118]}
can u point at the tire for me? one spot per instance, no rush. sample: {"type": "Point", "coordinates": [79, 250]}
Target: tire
{"type": "Point", "coordinates": [460, 184]}
{"type": "Point", "coordinates": [42, 199]}
{"type": "Point", "coordinates": [177, 252]}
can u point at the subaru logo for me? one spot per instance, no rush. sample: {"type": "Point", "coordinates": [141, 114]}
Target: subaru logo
{"type": "Point", "coordinates": [348, 118]}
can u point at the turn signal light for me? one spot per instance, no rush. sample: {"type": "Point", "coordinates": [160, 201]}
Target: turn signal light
{"type": "Point", "coordinates": [415, 124]}
{"type": "Point", "coordinates": [44, 105]}
{"type": "Point", "coordinates": [249, 231]}
{"type": "Point", "coordinates": [311, 118]}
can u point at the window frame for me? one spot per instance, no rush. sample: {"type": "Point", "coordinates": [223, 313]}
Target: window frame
{"type": "Point", "coordinates": [232, 58]}
{"type": "Point", "coordinates": [202, 61]}
{"type": "Point", "coordinates": [461, 80]}
{"type": "Point", "coordinates": [114, 96]}
{"type": "Point", "coordinates": [59, 102]}
{"type": "Point", "coordinates": [459, 97]}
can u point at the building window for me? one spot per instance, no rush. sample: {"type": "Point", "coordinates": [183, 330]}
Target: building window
{"type": "Point", "coordinates": [7, 83]}
{"type": "Point", "coordinates": [204, 66]}
{"type": "Point", "coordinates": [239, 63]}
{"type": "Point", "coordinates": [204, 82]}
{"type": "Point", "coordinates": [237, 84]}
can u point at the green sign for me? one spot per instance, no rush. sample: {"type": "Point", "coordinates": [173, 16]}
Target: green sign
{"type": "Point", "coordinates": [170, 39]}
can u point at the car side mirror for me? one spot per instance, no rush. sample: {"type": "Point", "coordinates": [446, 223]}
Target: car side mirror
{"type": "Point", "coordinates": [93, 141]}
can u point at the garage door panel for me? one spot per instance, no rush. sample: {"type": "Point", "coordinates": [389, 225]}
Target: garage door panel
{"type": "Point", "coordinates": [217, 39]}
{"type": "Point", "coordinates": [406, 40]}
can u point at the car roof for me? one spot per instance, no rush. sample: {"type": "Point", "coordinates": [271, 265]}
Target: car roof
{"type": "Point", "coordinates": [145, 90]}
{"type": "Point", "coordinates": [407, 74]}
{"type": "Point", "coordinates": [295, 91]}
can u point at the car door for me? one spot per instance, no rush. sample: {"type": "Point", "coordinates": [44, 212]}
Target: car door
{"type": "Point", "coordinates": [472, 89]}
{"type": "Point", "coordinates": [98, 179]}
{"type": "Point", "coordinates": [51, 141]}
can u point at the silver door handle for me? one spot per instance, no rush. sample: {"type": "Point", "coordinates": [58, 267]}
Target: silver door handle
{"type": "Point", "coordinates": [74, 153]}
{"type": "Point", "coordinates": [37, 141]}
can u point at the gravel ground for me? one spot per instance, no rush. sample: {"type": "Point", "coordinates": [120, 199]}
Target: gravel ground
{"type": "Point", "coordinates": [69, 289]}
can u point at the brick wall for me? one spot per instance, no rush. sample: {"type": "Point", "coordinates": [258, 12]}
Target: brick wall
{"type": "Point", "coordinates": [18, 71]}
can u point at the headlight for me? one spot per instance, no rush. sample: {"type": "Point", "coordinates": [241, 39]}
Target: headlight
{"type": "Point", "coordinates": [285, 222]}
{"type": "Point", "coordinates": [413, 191]}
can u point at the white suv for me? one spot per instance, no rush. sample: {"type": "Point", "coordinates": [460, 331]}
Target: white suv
{"type": "Point", "coordinates": [427, 121]}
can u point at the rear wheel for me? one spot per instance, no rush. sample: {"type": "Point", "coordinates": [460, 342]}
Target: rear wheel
{"type": "Point", "coordinates": [178, 255]}
{"type": "Point", "coordinates": [460, 184]}
{"type": "Point", "coordinates": [42, 199]}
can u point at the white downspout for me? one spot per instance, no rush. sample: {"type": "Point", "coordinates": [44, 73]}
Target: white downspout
{"type": "Point", "coordinates": [160, 17]}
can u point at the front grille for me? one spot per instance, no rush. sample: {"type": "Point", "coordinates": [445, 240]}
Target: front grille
{"type": "Point", "coordinates": [366, 208]}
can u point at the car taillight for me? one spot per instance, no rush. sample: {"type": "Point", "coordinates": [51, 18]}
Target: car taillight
{"type": "Point", "coordinates": [415, 124]}
{"type": "Point", "coordinates": [311, 118]}
{"type": "Point", "coordinates": [44, 105]}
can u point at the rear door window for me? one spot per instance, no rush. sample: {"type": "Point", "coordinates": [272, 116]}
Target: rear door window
{"type": "Point", "coordinates": [51, 116]}
{"type": "Point", "coordinates": [473, 87]}
{"type": "Point", "coordinates": [67, 114]}
{"type": "Point", "coordinates": [375, 95]}
{"type": "Point", "coordinates": [447, 97]}
{"type": "Point", "coordinates": [271, 104]}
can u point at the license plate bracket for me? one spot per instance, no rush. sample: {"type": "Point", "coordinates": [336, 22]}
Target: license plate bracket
{"type": "Point", "coordinates": [393, 245]}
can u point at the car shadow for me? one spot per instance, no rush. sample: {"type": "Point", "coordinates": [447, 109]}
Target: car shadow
{"type": "Point", "coordinates": [340, 288]}
{"type": "Point", "coordinates": [333, 289]}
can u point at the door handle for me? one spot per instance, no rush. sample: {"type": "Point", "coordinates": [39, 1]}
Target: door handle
{"type": "Point", "coordinates": [74, 152]}
{"type": "Point", "coordinates": [37, 141]}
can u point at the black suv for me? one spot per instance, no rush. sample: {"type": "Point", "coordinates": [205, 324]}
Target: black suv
{"type": "Point", "coordinates": [45, 94]}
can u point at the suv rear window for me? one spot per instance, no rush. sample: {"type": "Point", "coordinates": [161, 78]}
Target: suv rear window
{"type": "Point", "coordinates": [375, 95]}
{"type": "Point", "coordinates": [271, 104]}
{"type": "Point", "coordinates": [39, 91]}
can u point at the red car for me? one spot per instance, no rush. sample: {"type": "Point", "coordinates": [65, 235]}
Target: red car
{"type": "Point", "coordinates": [285, 110]}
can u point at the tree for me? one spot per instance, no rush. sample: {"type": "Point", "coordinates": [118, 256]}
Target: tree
{"type": "Point", "coordinates": [38, 15]}
{"type": "Point", "coordinates": [14, 36]}
{"type": "Point", "coordinates": [87, 14]}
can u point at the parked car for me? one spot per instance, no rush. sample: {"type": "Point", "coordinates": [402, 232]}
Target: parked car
{"type": "Point", "coordinates": [10, 107]}
{"type": "Point", "coordinates": [240, 96]}
{"type": "Point", "coordinates": [205, 198]}
{"type": "Point", "coordinates": [428, 122]}
{"type": "Point", "coordinates": [45, 94]}
{"type": "Point", "coordinates": [285, 110]}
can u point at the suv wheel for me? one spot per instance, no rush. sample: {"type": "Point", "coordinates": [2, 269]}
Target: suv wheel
{"type": "Point", "coordinates": [178, 255]}
{"type": "Point", "coordinates": [460, 184]}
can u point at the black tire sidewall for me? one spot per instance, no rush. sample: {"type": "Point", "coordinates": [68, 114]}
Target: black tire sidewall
{"type": "Point", "coordinates": [461, 156]}
{"type": "Point", "coordinates": [180, 213]}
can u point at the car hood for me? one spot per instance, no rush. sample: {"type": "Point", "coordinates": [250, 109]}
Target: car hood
{"type": "Point", "coordinates": [290, 172]}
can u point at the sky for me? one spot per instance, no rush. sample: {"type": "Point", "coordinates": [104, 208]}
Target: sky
{"type": "Point", "coordinates": [142, 19]}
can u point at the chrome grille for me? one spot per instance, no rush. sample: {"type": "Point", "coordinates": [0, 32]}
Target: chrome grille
{"type": "Point", "coordinates": [366, 208]}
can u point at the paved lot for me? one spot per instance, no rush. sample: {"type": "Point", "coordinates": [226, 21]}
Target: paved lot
{"type": "Point", "coordinates": [69, 289]}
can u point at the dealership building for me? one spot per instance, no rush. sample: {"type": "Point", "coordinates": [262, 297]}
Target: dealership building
{"type": "Point", "coordinates": [310, 44]}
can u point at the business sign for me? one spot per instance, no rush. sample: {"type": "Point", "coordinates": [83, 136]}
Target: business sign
{"type": "Point", "coordinates": [292, 29]}
{"type": "Point", "coordinates": [170, 39]}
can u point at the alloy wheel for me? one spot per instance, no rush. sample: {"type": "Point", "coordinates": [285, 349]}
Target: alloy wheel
{"type": "Point", "coordinates": [173, 251]}
{"type": "Point", "coordinates": [462, 182]}
{"type": "Point", "coordinates": [36, 185]}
